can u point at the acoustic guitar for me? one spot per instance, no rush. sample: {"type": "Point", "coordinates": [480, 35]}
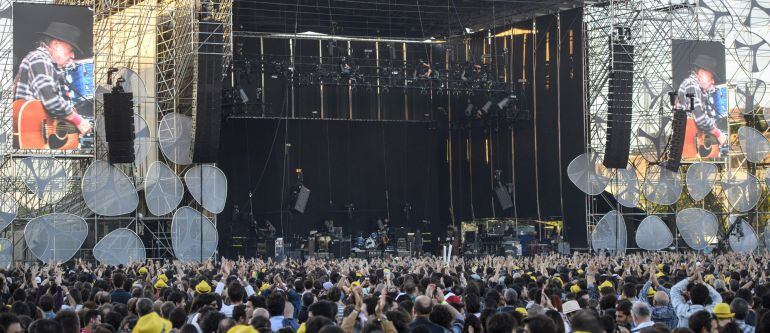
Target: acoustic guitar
{"type": "Point", "coordinates": [33, 128]}
{"type": "Point", "coordinates": [697, 144]}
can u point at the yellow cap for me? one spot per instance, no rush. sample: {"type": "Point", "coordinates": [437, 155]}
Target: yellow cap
{"type": "Point", "coordinates": [606, 283]}
{"type": "Point", "coordinates": [660, 274]}
{"type": "Point", "coordinates": [650, 292]}
{"type": "Point", "coordinates": [242, 329]}
{"type": "Point", "coordinates": [722, 311]}
{"type": "Point", "coordinates": [574, 289]}
{"type": "Point", "coordinates": [163, 277]}
{"type": "Point", "coordinates": [142, 270]}
{"type": "Point", "coordinates": [355, 283]}
{"type": "Point", "coordinates": [523, 311]}
{"type": "Point", "coordinates": [358, 274]}
{"type": "Point", "coordinates": [580, 271]}
{"type": "Point", "coordinates": [660, 267]}
{"type": "Point", "coordinates": [160, 284]}
{"type": "Point", "coordinates": [203, 287]}
{"type": "Point", "coordinates": [516, 267]}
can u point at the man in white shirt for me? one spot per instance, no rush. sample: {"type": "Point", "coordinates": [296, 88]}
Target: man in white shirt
{"type": "Point", "coordinates": [235, 295]}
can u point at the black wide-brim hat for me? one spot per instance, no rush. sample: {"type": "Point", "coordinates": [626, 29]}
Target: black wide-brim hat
{"type": "Point", "coordinates": [64, 32]}
{"type": "Point", "coordinates": [708, 63]}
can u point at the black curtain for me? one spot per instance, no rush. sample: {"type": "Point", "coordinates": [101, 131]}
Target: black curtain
{"type": "Point", "coordinates": [573, 123]}
{"type": "Point", "coordinates": [546, 116]}
{"type": "Point", "coordinates": [379, 168]}
{"type": "Point", "coordinates": [524, 174]}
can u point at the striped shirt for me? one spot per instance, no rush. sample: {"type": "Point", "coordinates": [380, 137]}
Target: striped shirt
{"type": "Point", "coordinates": [703, 108]}
{"type": "Point", "coordinates": [39, 78]}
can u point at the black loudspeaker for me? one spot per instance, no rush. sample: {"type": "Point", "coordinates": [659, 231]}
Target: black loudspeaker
{"type": "Point", "coordinates": [303, 193]}
{"type": "Point", "coordinates": [676, 143]}
{"type": "Point", "coordinates": [619, 106]}
{"type": "Point", "coordinates": [119, 126]}
{"type": "Point", "coordinates": [208, 115]}
{"type": "Point", "coordinates": [503, 197]}
{"type": "Point", "coordinates": [341, 248]}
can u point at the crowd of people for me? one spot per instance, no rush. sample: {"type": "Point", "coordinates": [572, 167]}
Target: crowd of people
{"type": "Point", "coordinates": [645, 292]}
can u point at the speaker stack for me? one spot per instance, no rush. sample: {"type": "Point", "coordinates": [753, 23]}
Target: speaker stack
{"type": "Point", "coordinates": [119, 125]}
{"type": "Point", "coordinates": [676, 143]}
{"type": "Point", "coordinates": [208, 115]}
{"type": "Point", "coordinates": [621, 84]}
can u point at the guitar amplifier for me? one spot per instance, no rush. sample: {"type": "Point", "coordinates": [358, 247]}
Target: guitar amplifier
{"type": "Point", "coordinates": [401, 245]}
{"type": "Point", "coordinates": [266, 249]}
{"type": "Point", "coordinates": [341, 248]}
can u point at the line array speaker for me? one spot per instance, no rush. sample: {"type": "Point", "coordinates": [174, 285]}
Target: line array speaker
{"type": "Point", "coordinates": [676, 143]}
{"type": "Point", "coordinates": [303, 194]}
{"type": "Point", "coordinates": [503, 197]}
{"type": "Point", "coordinates": [119, 126]}
{"type": "Point", "coordinates": [619, 106]}
{"type": "Point", "coordinates": [208, 115]}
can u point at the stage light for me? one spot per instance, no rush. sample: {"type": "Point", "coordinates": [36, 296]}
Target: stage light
{"type": "Point", "coordinates": [469, 110]}
{"type": "Point", "coordinates": [244, 97]}
{"type": "Point", "coordinates": [486, 107]}
{"type": "Point", "coordinates": [506, 101]}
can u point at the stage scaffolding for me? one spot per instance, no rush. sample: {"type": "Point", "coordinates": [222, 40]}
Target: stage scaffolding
{"type": "Point", "coordinates": [158, 40]}
{"type": "Point", "coordinates": [653, 25]}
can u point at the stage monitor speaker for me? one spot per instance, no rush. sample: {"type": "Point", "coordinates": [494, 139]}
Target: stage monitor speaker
{"type": "Point", "coordinates": [119, 126]}
{"type": "Point", "coordinates": [620, 101]}
{"type": "Point", "coordinates": [503, 197]}
{"type": "Point", "coordinates": [208, 113]}
{"type": "Point", "coordinates": [303, 194]}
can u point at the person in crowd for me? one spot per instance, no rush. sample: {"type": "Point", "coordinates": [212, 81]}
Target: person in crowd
{"type": "Point", "coordinates": [701, 296]}
{"type": "Point", "coordinates": [657, 292]}
{"type": "Point", "coordinates": [642, 316]}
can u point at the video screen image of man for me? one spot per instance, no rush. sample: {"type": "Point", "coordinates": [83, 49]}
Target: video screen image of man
{"type": "Point", "coordinates": [706, 105]}
{"type": "Point", "coordinates": [46, 114]}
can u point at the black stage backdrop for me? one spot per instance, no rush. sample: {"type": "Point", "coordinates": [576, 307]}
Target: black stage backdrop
{"type": "Point", "coordinates": [573, 123]}
{"type": "Point", "coordinates": [533, 154]}
{"type": "Point", "coordinates": [378, 167]}
{"type": "Point", "coordinates": [546, 116]}
{"type": "Point", "coordinates": [525, 176]}
{"type": "Point", "coordinates": [344, 161]}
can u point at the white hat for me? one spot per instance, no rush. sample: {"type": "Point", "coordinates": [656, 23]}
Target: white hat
{"type": "Point", "coordinates": [570, 306]}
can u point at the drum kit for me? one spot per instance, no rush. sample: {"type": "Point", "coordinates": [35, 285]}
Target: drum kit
{"type": "Point", "coordinates": [80, 78]}
{"type": "Point", "coordinates": [368, 243]}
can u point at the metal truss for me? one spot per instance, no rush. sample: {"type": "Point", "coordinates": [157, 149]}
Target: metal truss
{"type": "Point", "coordinates": [653, 25]}
{"type": "Point", "coordinates": [156, 40]}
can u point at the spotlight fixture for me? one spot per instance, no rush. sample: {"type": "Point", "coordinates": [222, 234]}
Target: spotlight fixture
{"type": "Point", "coordinates": [469, 110]}
{"type": "Point", "coordinates": [506, 101]}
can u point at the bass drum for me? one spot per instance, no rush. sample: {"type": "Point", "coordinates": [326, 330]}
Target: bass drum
{"type": "Point", "coordinates": [371, 243]}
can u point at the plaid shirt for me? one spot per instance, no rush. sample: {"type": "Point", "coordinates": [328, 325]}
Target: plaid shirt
{"type": "Point", "coordinates": [40, 79]}
{"type": "Point", "coordinates": [703, 109]}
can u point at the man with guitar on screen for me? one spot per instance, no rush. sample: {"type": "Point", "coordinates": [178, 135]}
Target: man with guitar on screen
{"type": "Point", "coordinates": [703, 138]}
{"type": "Point", "coordinates": [42, 98]}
